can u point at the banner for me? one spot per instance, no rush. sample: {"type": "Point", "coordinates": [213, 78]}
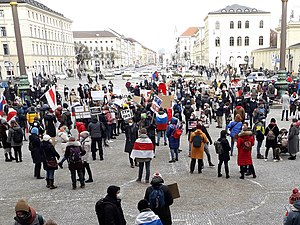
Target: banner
{"type": "Point", "coordinates": [166, 101]}
{"type": "Point", "coordinates": [156, 103]}
{"type": "Point", "coordinates": [126, 114]}
{"type": "Point", "coordinates": [95, 110]}
{"type": "Point", "coordinates": [97, 95]}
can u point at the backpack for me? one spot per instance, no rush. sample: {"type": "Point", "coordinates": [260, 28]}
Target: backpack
{"type": "Point", "coordinates": [197, 140]}
{"type": "Point", "coordinates": [41, 220]}
{"type": "Point", "coordinates": [177, 133]}
{"type": "Point", "coordinates": [218, 147]}
{"type": "Point", "coordinates": [247, 146]}
{"type": "Point", "coordinates": [261, 113]}
{"type": "Point", "coordinates": [157, 198]}
{"type": "Point", "coordinates": [271, 136]}
{"type": "Point", "coordinates": [18, 136]}
{"type": "Point", "coordinates": [75, 155]}
{"type": "Point", "coordinates": [99, 208]}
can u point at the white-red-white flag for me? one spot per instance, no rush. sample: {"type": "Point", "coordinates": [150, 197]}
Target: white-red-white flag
{"type": "Point", "coordinates": [51, 97]}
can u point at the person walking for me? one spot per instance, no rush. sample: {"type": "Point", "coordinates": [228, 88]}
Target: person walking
{"type": "Point", "coordinates": [244, 144]}
{"type": "Point", "coordinates": [234, 128]}
{"type": "Point", "coordinates": [197, 140]}
{"type": "Point", "coordinates": [293, 137]}
{"type": "Point", "coordinates": [143, 153]}
{"type": "Point", "coordinates": [285, 101]}
{"type": "Point", "coordinates": [259, 132]}
{"type": "Point", "coordinates": [36, 152]}
{"type": "Point", "coordinates": [50, 157]}
{"type": "Point", "coordinates": [161, 120]}
{"type": "Point", "coordinates": [86, 146]}
{"type": "Point", "coordinates": [74, 154]}
{"type": "Point", "coordinates": [15, 138]}
{"type": "Point", "coordinates": [109, 210]}
{"type": "Point", "coordinates": [96, 131]}
{"type": "Point", "coordinates": [146, 215]}
{"type": "Point", "coordinates": [163, 211]}
{"type": "Point", "coordinates": [271, 134]}
{"type": "Point", "coordinates": [223, 153]}
{"type": "Point", "coordinates": [174, 143]}
{"type": "Point", "coordinates": [131, 134]}
{"type": "Point", "coordinates": [220, 113]}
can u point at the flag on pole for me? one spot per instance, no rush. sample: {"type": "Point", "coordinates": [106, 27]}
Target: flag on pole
{"type": "Point", "coordinates": [11, 115]}
{"type": "Point", "coordinates": [51, 97]}
{"type": "Point", "coordinates": [2, 103]}
{"type": "Point", "coordinates": [155, 75]}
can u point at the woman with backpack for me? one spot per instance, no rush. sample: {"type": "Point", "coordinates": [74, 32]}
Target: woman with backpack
{"type": "Point", "coordinates": [174, 142]}
{"type": "Point", "coordinates": [271, 134]}
{"type": "Point", "coordinates": [85, 141]}
{"type": "Point", "coordinates": [15, 138]}
{"type": "Point", "coordinates": [244, 144]}
{"type": "Point", "coordinates": [197, 140]}
{"type": "Point", "coordinates": [235, 128]}
{"type": "Point", "coordinates": [224, 153]}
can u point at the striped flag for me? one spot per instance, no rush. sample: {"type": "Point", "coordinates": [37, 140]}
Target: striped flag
{"type": "Point", "coordinates": [148, 218]}
{"type": "Point", "coordinates": [51, 97]}
{"type": "Point", "coordinates": [142, 148]}
{"type": "Point", "coordinates": [2, 103]}
{"type": "Point", "coordinates": [11, 115]}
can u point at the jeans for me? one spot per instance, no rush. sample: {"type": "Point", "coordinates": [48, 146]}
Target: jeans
{"type": "Point", "coordinates": [174, 153]}
{"type": "Point", "coordinates": [94, 149]}
{"type": "Point", "coordinates": [159, 133]}
{"type": "Point", "coordinates": [114, 128]}
{"type": "Point", "coordinates": [86, 166]}
{"type": "Point", "coordinates": [141, 168]}
{"type": "Point", "coordinates": [193, 163]}
{"type": "Point", "coordinates": [37, 169]}
{"type": "Point", "coordinates": [108, 131]}
{"type": "Point", "coordinates": [206, 150]}
{"type": "Point", "coordinates": [275, 153]}
{"type": "Point", "coordinates": [152, 138]}
{"type": "Point", "coordinates": [259, 144]}
{"type": "Point", "coordinates": [286, 114]}
{"type": "Point", "coordinates": [18, 153]}
{"type": "Point", "coordinates": [50, 174]}
{"type": "Point", "coordinates": [73, 177]}
{"type": "Point", "coordinates": [220, 121]}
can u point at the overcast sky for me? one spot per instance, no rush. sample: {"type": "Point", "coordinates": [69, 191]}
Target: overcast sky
{"type": "Point", "coordinates": [152, 23]}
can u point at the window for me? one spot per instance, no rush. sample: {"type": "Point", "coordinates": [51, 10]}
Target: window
{"type": "Point", "coordinates": [217, 25]}
{"type": "Point", "coordinates": [247, 24]}
{"type": "Point", "coordinates": [261, 24]}
{"type": "Point", "coordinates": [217, 42]}
{"type": "Point", "coordinates": [34, 32]}
{"type": "Point", "coordinates": [101, 48]}
{"type": "Point", "coordinates": [231, 25]}
{"type": "Point", "coordinates": [28, 14]}
{"type": "Point", "coordinates": [239, 25]}
{"type": "Point", "coordinates": [112, 48]}
{"type": "Point", "coordinates": [239, 41]}
{"type": "Point", "coordinates": [32, 15]}
{"type": "Point", "coordinates": [37, 49]}
{"type": "Point", "coordinates": [111, 42]}
{"type": "Point", "coordinates": [231, 41]}
{"type": "Point", "coordinates": [246, 41]}
{"type": "Point", "coordinates": [105, 41]}
{"type": "Point", "coordinates": [3, 31]}
{"type": "Point", "coordinates": [261, 40]}
{"type": "Point", "coordinates": [106, 48]}
{"type": "Point", "coordinates": [33, 49]}
{"type": "Point", "coordinates": [5, 49]}
{"type": "Point", "coordinates": [31, 31]}
{"type": "Point", "coordinates": [96, 42]}
{"type": "Point", "coordinates": [100, 41]}
{"type": "Point", "coordinates": [1, 13]}
{"type": "Point", "coordinates": [91, 48]}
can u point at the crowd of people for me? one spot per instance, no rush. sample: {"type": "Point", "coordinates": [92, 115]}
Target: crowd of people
{"type": "Point", "coordinates": [58, 135]}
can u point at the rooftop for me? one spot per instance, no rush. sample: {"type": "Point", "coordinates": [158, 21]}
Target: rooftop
{"type": "Point", "coordinates": [33, 3]}
{"type": "Point", "coordinates": [237, 9]}
{"type": "Point", "coordinates": [190, 32]}
{"type": "Point", "coordinates": [92, 34]}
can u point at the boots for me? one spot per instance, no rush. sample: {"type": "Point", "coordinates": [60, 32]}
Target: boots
{"type": "Point", "coordinates": [48, 183]}
{"type": "Point", "coordinates": [52, 186]}
{"type": "Point", "coordinates": [74, 186]}
{"type": "Point", "coordinates": [7, 159]}
{"type": "Point", "coordinates": [11, 157]}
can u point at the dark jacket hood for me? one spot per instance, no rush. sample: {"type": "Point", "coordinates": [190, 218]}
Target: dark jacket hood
{"type": "Point", "coordinates": [297, 204]}
{"type": "Point", "coordinates": [157, 181]}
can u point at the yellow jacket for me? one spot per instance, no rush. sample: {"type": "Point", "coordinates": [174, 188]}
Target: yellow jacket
{"type": "Point", "coordinates": [30, 117]}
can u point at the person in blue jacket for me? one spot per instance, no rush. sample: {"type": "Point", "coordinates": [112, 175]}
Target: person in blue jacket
{"type": "Point", "coordinates": [293, 216]}
{"type": "Point", "coordinates": [173, 142]}
{"type": "Point", "coordinates": [235, 128]}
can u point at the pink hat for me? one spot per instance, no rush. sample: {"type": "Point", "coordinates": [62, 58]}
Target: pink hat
{"type": "Point", "coordinates": [295, 196]}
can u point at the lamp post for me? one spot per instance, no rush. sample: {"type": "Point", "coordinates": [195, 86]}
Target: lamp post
{"type": "Point", "coordinates": [283, 34]}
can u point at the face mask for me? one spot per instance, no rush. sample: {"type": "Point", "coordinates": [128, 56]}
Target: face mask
{"type": "Point", "coordinates": [130, 124]}
{"type": "Point", "coordinates": [50, 140]}
{"type": "Point", "coordinates": [119, 196]}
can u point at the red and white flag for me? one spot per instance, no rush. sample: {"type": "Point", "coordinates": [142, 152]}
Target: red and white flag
{"type": "Point", "coordinates": [142, 148]}
{"type": "Point", "coordinates": [11, 115]}
{"type": "Point", "coordinates": [51, 98]}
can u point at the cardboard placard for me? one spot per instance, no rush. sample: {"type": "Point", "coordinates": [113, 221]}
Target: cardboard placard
{"type": "Point", "coordinates": [126, 114]}
{"type": "Point", "coordinates": [174, 190]}
{"type": "Point", "coordinates": [166, 101]}
{"type": "Point", "coordinates": [79, 109]}
{"type": "Point", "coordinates": [95, 110]}
{"type": "Point", "coordinates": [156, 103]}
{"type": "Point", "coordinates": [97, 95]}
{"type": "Point", "coordinates": [137, 99]}
{"type": "Point", "coordinates": [192, 124]}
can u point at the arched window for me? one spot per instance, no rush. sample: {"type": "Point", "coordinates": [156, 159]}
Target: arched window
{"type": "Point", "coordinates": [231, 41]}
{"type": "Point", "coordinates": [261, 40]}
{"type": "Point", "coordinates": [217, 42]}
{"type": "Point", "coordinates": [261, 24]}
{"type": "Point", "coordinates": [247, 24]}
{"type": "Point", "coordinates": [239, 41]}
{"type": "Point", "coordinates": [239, 24]}
{"type": "Point", "coordinates": [217, 25]}
{"type": "Point", "coordinates": [231, 25]}
{"type": "Point", "coordinates": [247, 41]}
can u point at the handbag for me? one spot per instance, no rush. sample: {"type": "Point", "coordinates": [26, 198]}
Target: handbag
{"type": "Point", "coordinates": [52, 163]}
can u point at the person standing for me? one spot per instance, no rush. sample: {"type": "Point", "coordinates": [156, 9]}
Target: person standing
{"type": "Point", "coordinates": [259, 132]}
{"type": "Point", "coordinates": [66, 93]}
{"type": "Point", "coordinates": [173, 142]}
{"type": "Point", "coordinates": [109, 210]}
{"type": "Point", "coordinates": [235, 128]}
{"type": "Point", "coordinates": [15, 138]}
{"type": "Point", "coordinates": [74, 154]}
{"type": "Point", "coordinates": [150, 126]}
{"type": "Point", "coordinates": [224, 155]}
{"type": "Point", "coordinates": [271, 134]}
{"type": "Point", "coordinates": [220, 113]}
{"type": "Point", "coordinates": [50, 157]}
{"type": "Point", "coordinates": [146, 216]}
{"type": "Point", "coordinates": [96, 131]}
{"type": "Point", "coordinates": [163, 211]}
{"type": "Point", "coordinates": [4, 127]}
{"type": "Point", "coordinates": [197, 140]}
{"type": "Point", "coordinates": [285, 101]}
{"type": "Point", "coordinates": [36, 152]}
{"type": "Point", "coordinates": [143, 153]}
{"type": "Point", "coordinates": [131, 134]}
{"type": "Point", "coordinates": [50, 121]}
{"type": "Point", "coordinates": [86, 146]}
{"type": "Point", "coordinates": [293, 137]}
{"type": "Point", "coordinates": [161, 120]}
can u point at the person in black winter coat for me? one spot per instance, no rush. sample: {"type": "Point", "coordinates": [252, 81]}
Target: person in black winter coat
{"type": "Point", "coordinates": [50, 121]}
{"type": "Point", "coordinates": [225, 156]}
{"type": "Point", "coordinates": [220, 113]}
{"type": "Point", "coordinates": [36, 152]}
{"type": "Point", "coordinates": [131, 133]}
{"type": "Point", "coordinates": [112, 207]}
{"type": "Point", "coordinates": [3, 137]}
{"type": "Point", "coordinates": [272, 143]}
{"type": "Point", "coordinates": [164, 212]}
{"type": "Point", "coordinates": [150, 125]}
{"type": "Point", "coordinates": [252, 106]}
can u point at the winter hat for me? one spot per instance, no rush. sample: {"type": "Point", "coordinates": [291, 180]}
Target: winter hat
{"type": "Point", "coordinates": [35, 130]}
{"type": "Point", "coordinates": [273, 120]}
{"type": "Point", "coordinates": [22, 205]}
{"type": "Point", "coordinates": [46, 137]}
{"type": "Point", "coordinates": [112, 191]}
{"type": "Point", "coordinates": [84, 134]}
{"type": "Point", "coordinates": [157, 174]}
{"type": "Point", "coordinates": [295, 196]}
{"type": "Point", "coordinates": [143, 204]}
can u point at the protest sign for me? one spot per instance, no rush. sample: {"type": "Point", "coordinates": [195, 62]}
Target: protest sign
{"type": "Point", "coordinates": [97, 95]}
{"type": "Point", "coordinates": [95, 110]}
{"type": "Point", "coordinates": [126, 114]}
{"type": "Point", "coordinates": [166, 101]}
{"type": "Point", "coordinates": [156, 103]}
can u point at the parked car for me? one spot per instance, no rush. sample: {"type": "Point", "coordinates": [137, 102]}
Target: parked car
{"type": "Point", "coordinates": [117, 72]}
{"type": "Point", "coordinates": [256, 77]}
{"type": "Point", "coordinates": [61, 76]}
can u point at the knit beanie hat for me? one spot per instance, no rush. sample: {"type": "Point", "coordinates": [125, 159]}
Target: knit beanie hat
{"type": "Point", "coordinates": [143, 204]}
{"type": "Point", "coordinates": [295, 196]}
{"type": "Point", "coordinates": [46, 137]}
{"type": "Point", "coordinates": [35, 130]}
{"type": "Point", "coordinates": [22, 205]}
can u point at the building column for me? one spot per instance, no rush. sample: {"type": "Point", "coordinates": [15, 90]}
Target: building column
{"type": "Point", "coordinates": [283, 34]}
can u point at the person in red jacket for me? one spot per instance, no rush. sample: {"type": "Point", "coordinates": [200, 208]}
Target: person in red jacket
{"type": "Point", "coordinates": [244, 144]}
{"type": "Point", "coordinates": [80, 126]}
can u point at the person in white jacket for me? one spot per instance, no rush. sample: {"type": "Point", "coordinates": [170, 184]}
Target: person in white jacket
{"type": "Point", "coordinates": [64, 138]}
{"type": "Point", "coordinates": [85, 141]}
